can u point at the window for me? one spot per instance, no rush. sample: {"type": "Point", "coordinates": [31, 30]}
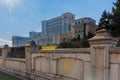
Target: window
{"type": "Point", "coordinates": [82, 21]}
{"type": "Point", "coordinates": [69, 27]}
{"type": "Point", "coordinates": [76, 23]}
{"type": "Point", "coordinates": [72, 17]}
{"type": "Point", "coordinates": [65, 16]}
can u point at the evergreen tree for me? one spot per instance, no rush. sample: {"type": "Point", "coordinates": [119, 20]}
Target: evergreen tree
{"type": "Point", "coordinates": [105, 21]}
{"type": "Point", "coordinates": [115, 25]}
{"type": "Point", "coordinates": [78, 38]}
{"type": "Point", "coordinates": [90, 35]}
{"type": "Point", "coordinates": [75, 39]}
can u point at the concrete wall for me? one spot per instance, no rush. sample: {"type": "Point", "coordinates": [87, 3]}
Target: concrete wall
{"type": "Point", "coordinates": [114, 63]}
{"type": "Point", "coordinates": [68, 64]}
{"type": "Point", "coordinates": [15, 63]}
{"type": "Point", "coordinates": [99, 62]}
{"type": "Point", "coordinates": [0, 61]}
{"type": "Point", "coordinates": [73, 63]}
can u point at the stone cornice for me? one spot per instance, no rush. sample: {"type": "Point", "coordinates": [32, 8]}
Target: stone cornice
{"type": "Point", "coordinates": [74, 50]}
{"type": "Point", "coordinates": [114, 50]}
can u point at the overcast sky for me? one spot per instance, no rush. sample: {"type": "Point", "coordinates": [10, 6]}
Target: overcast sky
{"type": "Point", "coordinates": [19, 17]}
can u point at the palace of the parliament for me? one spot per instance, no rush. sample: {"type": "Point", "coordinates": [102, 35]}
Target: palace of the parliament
{"type": "Point", "coordinates": [62, 28]}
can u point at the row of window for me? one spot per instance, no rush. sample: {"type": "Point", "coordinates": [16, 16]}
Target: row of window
{"type": "Point", "coordinates": [82, 22]}
{"type": "Point", "coordinates": [54, 23]}
{"type": "Point", "coordinates": [52, 32]}
{"type": "Point", "coordinates": [54, 27]}
{"type": "Point", "coordinates": [79, 22]}
{"type": "Point", "coordinates": [79, 31]}
{"type": "Point", "coordinates": [54, 20]}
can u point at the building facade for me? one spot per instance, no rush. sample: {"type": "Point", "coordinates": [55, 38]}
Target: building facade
{"type": "Point", "coordinates": [58, 25]}
{"type": "Point", "coordinates": [83, 26]}
{"type": "Point", "coordinates": [54, 30]}
{"type": "Point", "coordinates": [18, 41]}
{"type": "Point", "coordinates": [34, 34]}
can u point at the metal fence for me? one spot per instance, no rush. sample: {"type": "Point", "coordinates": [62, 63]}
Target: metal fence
{"type": "Point", "coordinates": [16, 52]}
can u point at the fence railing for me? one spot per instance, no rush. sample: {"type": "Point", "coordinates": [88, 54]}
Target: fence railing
{"type": "Point", "coordinates": [16, 52]}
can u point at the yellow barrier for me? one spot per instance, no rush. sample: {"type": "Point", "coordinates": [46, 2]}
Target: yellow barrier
{"type": "Point", "coordinates": [48, 47]}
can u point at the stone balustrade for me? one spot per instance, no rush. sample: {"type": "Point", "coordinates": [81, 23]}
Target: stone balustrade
{"type": "Point", "coordinates": [99, 62]}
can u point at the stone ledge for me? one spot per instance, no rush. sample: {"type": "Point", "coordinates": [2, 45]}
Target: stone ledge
{"type": "Point", "coordinates": [114, 50]}
{"type": "Point", "coordinates": [69, 50]}
{"type": "Point", "coordinates": [16, 59]}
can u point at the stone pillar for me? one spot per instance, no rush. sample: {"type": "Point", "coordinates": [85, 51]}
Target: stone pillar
{"type": "Point", "coordinates": [31, 46]}
{"type": "Point", "coordinates": [99, 45]}
{"type": "Point", "coordinates": [5, 51]}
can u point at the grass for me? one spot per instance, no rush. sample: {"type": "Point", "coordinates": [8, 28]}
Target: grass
{"type": "Point", "coordinates": [4, 76]}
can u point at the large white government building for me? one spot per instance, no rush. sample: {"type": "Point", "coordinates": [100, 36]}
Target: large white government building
{"type": "Point", "coordinates": [58, 25]}
{"type": "Point", "coordinates": [62, 29]}
{"type": "Point", "coordinates": [54, 30]}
